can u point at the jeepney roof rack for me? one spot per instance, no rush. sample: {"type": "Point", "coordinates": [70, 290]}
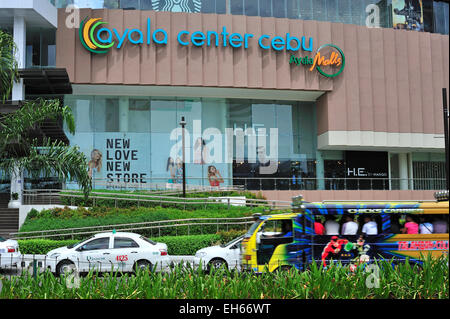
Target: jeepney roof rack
{"type": "Point", "coordinates": [297, 200]}
{"type": "Point", "coordinates": [441, 196]}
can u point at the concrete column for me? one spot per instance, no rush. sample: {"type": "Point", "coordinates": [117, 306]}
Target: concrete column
{"type": "Point", "coordinates": [124, 103]}
{"type": "Point", "coordinates": [403, 170]}
{"type": "Point", "coordinates": [20, 38]}
{"type": "Point", "coordinates": [320, 171]}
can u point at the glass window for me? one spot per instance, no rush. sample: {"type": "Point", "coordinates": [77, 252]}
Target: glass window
{"type": "Point", "coordinates": [121, 242]}
{"type": "Point", "coordinates": [344, 10]}
{"type": "Point", "coordinates": [129, 4]}
{"type": "Point", "coordinates": [251, 7]}
{"type": "Point", "coordinates": [278, 228]}
{"type": "Point", "coordinates": [236, 7]}
{"type": "Point", "coordinates": [146, 5]}
{"type": "Point", "coordinates": [111, 115]}
{"type": "Point", "coordinates": [139, 116]}
{"type": "Point", "coordinates": [320, 10]}
{"type": "Point", "coordinates": [306, 9]}
{"type": "Point", "coordinates": [221, 6]}
{"type": "Point", "coordinates": [265, 8]}
{"type": "Point", "coordinates": [441, 17]}
{"type": "Point", "coordinates": [332, 11]}
{"type": "Point", "coordinates": [164, 115]}
{"type": "Point", "coordinates": [148, 240]}
{"type": "Point", "coordinates": [209, 6]}
{"type": "Point", "coordinates": [293, 9]}
{"type": "Point", "coordinates": [40, 47]}
{"type": "Point", "coordinates": [279, 8]}
{"type": "Point", "coordinates": [96, 244]}
{"type": "Point", "coordinates": [114, 4]}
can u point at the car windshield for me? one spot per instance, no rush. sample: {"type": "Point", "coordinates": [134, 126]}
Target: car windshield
{"type": "Point", "coordinates": [148, 240]}
{"type": "Point", "coordinates": [231, 242]}
{"type": "Point", "coordinates": [2, 239]}
{"type": "Point", "coordinates": [253, 228]}
{"type": "Point", "coordinates": [76, 244]}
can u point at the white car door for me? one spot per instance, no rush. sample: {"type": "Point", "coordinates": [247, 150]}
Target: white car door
{"type": "Point", "coordinates": [125, 253]}
{"type": "Point", "coordinates": [234, 255]}
{"type": "Point", "coordinates": [95, 254]}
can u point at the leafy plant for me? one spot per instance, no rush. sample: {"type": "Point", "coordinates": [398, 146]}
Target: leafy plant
{"type": "Point", "coordinates": [336, 282]}
{"type": "Point", "coordinates": [15, 196]}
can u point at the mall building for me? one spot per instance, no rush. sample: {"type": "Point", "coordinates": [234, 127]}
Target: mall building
{"type": "Point", "coordinates": [332, 99]}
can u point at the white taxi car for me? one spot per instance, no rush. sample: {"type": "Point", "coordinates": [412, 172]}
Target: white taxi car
{"type": "Point", "coordinates": [226, 255]}
{"type": "Point", "coordinates": [9, 253]}
{"type": "Point", "coordinates": [110, 251]}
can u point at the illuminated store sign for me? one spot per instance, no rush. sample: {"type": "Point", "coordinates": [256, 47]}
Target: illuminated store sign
{"type": "Point", "coordinates": [97, 38]}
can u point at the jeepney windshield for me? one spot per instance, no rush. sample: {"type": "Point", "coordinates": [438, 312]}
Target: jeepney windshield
{"type": "Point", "coordinates": [253, 228]}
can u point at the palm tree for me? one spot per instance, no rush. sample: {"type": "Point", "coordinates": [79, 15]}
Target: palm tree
{"type": "Point", "coordinates": [19, 150]}
{"type": "Point", "coordinates": [8, 65]}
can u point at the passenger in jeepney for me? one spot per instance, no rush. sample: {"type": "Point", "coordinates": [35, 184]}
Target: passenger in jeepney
{"type": "Point", "coordinates": [319, 229]}
{"type": "Point", "coordinates": [331, 225]}
{"type": "Point", "coordinates": [350, 227]}
{"type": "Point", "coordinates": [395, 224]}
{"type": "Point", "coordinates": [370, 227]}
{"type": "Point", "coordinates": [425, 226]}
{"type": "Point", "coordinates": [440, 226]}
{"type": "Point", "coordinates": [410, 227]}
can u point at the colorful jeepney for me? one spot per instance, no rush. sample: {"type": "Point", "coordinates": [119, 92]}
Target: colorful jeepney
{"type": "Point", "coordinates": [282, 241]}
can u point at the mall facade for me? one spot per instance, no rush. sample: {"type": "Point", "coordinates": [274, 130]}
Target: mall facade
{"type": "Point", "coordinates": [331, 99]}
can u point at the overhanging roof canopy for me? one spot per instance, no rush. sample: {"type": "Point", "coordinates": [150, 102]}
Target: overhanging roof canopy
{"type": "Point", "coordinates": [46, 81]}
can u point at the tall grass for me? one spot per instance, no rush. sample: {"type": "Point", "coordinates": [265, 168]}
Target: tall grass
{"type": "Point", "coordinates": [402, 281]}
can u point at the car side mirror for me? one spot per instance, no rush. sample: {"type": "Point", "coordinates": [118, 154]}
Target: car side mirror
{"type": "Point", "coordinates": [79, 248]}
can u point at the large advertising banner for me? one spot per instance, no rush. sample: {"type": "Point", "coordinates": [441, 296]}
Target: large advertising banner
{"type": "Point", "coordinates": [120, 158]}
{"type": "Point", "coordinates": [407, 14]}
{"type": "Point", "coordinates": [144, 161]}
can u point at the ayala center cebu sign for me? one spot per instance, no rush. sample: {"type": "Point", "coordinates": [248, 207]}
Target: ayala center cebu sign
{"type": "Point", "coordinates": [328, 59]}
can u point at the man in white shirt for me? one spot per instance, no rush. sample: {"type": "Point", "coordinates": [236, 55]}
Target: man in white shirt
{"type": "Point", "coordinates": [370, 227]}
{"type": "Point", "coordinates": [349, 227]}
{"type": "Point", "coordinates": [331, 226]}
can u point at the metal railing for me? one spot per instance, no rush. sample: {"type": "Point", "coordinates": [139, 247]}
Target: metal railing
{"type": "Point", "coordinates": [188, 225]}
{"type": "Point", "coordinates": [53, 196]}
{"type": "Point", "coordinates": [275, 183]}
{"type": "Point", "coordinates": [199, 184]}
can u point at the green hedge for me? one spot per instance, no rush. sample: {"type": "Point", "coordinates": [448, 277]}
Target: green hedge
{"type": "Point", "coordinates": [62, 218]}
{"type": "Point", "coordinates": [42, 246]}
{"type": "Point", "coordinates": [90, 202]}
{"type": "Point", "coordinates": [177, 245]}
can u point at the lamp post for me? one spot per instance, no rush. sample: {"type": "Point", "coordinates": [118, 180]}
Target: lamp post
{"type": "Point", "coordinates": [444, 101]}
{"type": "Point", "coordinates": [183, 124]}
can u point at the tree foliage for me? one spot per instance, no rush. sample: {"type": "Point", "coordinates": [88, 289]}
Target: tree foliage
{"type": "Point", "coordinates": [8, 65]}
{"type": "Point", "coordinates": [18, 148]}
{"type": "Point", "coordinates": [41, 157]}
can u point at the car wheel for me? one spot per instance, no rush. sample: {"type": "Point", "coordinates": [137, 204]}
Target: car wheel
{"type": "Point", "coordinates": [216, 264]}
{"type": "Point", "coordinates": [142, 265]}
{"type": "Point", "coordinates": [65, 266]}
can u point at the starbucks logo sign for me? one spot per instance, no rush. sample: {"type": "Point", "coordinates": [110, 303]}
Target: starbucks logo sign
{"type": "Point", "coordinates": [177, 5]}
